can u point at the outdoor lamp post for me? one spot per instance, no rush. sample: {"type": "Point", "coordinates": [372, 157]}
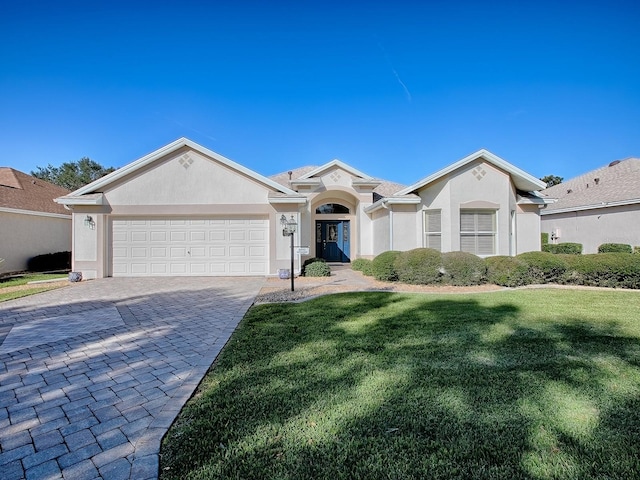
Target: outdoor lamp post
{"type": "Point", "coordinates": [288, 229]}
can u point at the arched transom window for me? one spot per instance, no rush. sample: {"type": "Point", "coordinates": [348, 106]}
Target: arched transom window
{"type": "Point", "coordinates": [331, 208]}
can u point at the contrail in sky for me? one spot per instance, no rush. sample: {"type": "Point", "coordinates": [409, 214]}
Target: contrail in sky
{"type": "Point", "coordinates": [395, 72]}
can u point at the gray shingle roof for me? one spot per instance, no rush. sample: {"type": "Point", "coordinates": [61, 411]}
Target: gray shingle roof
{"type": "Point", "coordinates": [385, 189]}
{"type": "Point", "coordinates": [617, 182]}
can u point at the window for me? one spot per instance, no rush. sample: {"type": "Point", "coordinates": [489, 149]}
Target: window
{"type": "Point", "coordinates": [331, 208]}
{"type": "Point", "coordinates": [478, 232]}
{"type": "Point", "coordinates": [433, 229]}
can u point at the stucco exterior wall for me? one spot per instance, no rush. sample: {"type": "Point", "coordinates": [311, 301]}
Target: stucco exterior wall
{"type": "Point", "coordinates": [592, 228]}
{"type": "Point", "coordinates": [175, 181]}
{"type": "Point", "coordinates": [23, 236]}
{"type": "Point", "coordinates": [528, 229]}
{"type": "Point", "coordinates": [380, 224]}
{"type": "Point", "coordinates": [478, 182]}
{"type": "Point", "coordinates": [406, 226]}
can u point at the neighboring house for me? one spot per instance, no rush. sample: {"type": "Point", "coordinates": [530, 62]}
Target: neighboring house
{"type": "Point", "coordinates": [31, 223]}
{"type": "Point", "coordinates": [602, 206]}
{"type": "Point", "coordinates": [186, 210]}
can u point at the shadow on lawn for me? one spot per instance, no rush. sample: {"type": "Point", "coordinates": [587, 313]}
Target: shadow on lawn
{"type": "Point", "coordinates": [393, 386]}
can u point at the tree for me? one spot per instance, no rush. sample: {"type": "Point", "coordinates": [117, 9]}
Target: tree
{"type": "Point", "coordinates": [552, 180]}
{"type": "Point", "coordinates": [73, 175]}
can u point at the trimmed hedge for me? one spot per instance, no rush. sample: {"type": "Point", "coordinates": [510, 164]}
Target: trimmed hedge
{"type": "Point", "coordinates": [310, 261]}
{"type": "Point", "coordinates": [615, 248]}
{"type": "Point", "coordinates": [567, 247]}
{"type": "Point", "coordinates": [543, 267]}
{"type": "Point", "coordinates": [461, 268]}
{"type": "Point", "coordinates": [50, 262]}
{"type": "Point", "coordinates": [621, 270]}
{"type": "Point", "coordinates": [420, 266]}
{"type": "Point", "coordinates": [318, 269]}
{"type": "Point", "coordinates": [363, 265]}
{"type": "Point", "coordinates": [507, 271]}
{"type": "Point", "coordinates": [544, 238]}
{"type": "Point", "coordinates": [383, 266]}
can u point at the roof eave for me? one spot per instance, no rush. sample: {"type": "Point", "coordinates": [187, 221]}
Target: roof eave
{"type": "Point", "coordinates": [619, 203]}
{"type": "Point", "coordinates": [89, 199]}
{"type": "Point", "coordinates": [170, 148]}
{"type": "Point", "coordinates": [387, 201]}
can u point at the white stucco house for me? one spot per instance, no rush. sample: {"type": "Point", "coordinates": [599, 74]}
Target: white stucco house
{"type": "Point", "coordinates": [186, 210]}
{"type": "Point", "coordinates": [31, 223]}
{"type": "Point", "coordinates": [601, 206]}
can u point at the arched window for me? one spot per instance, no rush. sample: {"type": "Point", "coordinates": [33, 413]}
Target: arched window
{"type": "Point", "coordinates": [331, 208]}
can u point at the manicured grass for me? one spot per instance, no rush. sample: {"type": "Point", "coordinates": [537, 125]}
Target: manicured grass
{"type": "Point", "coordinates": [6, 283]}
{"type": "Point", "coordinates": [526, 384]}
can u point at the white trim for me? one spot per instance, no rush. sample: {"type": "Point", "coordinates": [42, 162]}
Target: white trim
{"type": "Point", "coordinates": [385, 202]}
{"type": "Point", "coordinates": [34, 213]}
{"type": "Point", "coordinates": [522, 179]}
{"type": "Point", "coordinates": [167, 149]}
{"type": "Point", "coordinates": [618, 203]}
{"type": "Point", "coordinates": [288, 200]}
{"type": "Point", "coordinates": [336, 163]}
{"type": "Point", "coordinates": [90, 199]}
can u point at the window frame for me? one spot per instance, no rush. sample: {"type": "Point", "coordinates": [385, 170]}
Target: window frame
{"type": "Point", "coordinates": [427, 234]}
{"type": "Point", "coordinates": [478, 233]}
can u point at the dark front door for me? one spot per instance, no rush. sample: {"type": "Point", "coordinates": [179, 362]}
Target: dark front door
{"type": "Point", "coordinates": [333, 240]}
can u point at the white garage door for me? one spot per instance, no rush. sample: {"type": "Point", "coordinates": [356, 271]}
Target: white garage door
{"type": "Point", "coordinates": [190, 246]}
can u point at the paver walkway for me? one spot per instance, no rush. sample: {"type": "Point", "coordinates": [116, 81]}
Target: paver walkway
{"type": "Point", "coordinates": [92, 375]}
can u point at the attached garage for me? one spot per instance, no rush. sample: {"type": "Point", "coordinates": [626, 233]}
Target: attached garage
{"type": "Point", "coordinates": [190, 246]}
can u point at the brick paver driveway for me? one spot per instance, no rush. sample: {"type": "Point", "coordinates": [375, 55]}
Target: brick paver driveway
{"type": "Point", "coordinates": [92, 375]}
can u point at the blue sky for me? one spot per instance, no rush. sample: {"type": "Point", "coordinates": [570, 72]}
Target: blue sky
{"type": "Point", "coordinates": [396, 89]}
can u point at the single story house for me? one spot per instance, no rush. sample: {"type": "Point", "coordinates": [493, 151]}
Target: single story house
{"type": "Point", "coordinates": [31, 223]}
{"type": "Point", "coordinates": [186, 210]}
{"type": "Point", "coordinates": [601, 206]}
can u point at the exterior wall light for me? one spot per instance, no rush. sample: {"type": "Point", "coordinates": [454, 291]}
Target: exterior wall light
{"type": "Point", "coordinates": [89, 222]}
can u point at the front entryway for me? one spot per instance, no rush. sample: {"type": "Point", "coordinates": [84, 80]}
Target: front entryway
{"type": "Point", "coordinates": [333, 240]}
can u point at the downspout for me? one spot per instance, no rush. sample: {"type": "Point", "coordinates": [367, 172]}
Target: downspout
{"type": "Point", "coordinates": [384, 205]}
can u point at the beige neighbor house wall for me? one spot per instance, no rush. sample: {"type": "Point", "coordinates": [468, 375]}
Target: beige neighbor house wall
{"type": "Point", "coordinates": [25, 234]}
{"type": "Point", "coordinates": [593, 227]}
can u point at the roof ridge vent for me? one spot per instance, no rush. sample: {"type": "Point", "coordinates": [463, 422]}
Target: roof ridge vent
{"type": "Point", "coordinates": [614, 163]}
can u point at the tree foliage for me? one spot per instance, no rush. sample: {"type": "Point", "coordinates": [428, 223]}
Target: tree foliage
{"type": "Point", "coordinates": [73, 175]}
{"type": "Point", "coordinates": [552, 180]}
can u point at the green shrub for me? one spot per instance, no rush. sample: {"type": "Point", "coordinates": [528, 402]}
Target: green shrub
{"type": "Point", "coordinates": [544, 238]}
{"type": "Point", "coordinates": [507, 271]}
{"type": "Point", "coordinates": [318, 269]}
{"type": "Point", "coordinates": [614, 270]}
{"type": "Point", "coordinates": [461, 268]}
{"type": "Point", "coordinates": [420, 266]}
{"type": "Point", "coordinates": [50, 262]}
{"type": "Point", "coordinates": [567, 248]}
{"type": "Point", "coordinates": [615, 248]}
{"type": "Point", "coordinates": [544, 267]}
{"type": "Point", "coordinates": [363, 265]}
{"type": "Point", "coordinates": [383, 266]}
{"type": "Point", "coordinates": [636, 249]}
{"type": "Point", "coordinates": [310, 261]}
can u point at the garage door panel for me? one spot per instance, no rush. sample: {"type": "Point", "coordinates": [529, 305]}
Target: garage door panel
{"type": "Point", "coordinates": [190, 246]}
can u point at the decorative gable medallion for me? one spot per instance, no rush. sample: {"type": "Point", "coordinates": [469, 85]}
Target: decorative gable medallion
{"type": "Point", "coordinates": [479, 172]}
{"type": "Point", "coordinates": [185, 161]}
{"type": "Point", "coordinates": [335, 176]}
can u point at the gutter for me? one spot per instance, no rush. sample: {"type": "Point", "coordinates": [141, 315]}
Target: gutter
{"type": "Point", "coordinates": [595, 206]}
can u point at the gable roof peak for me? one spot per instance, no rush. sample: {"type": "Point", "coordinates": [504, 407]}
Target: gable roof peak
{"type": "Point", "coordinates": [336, 163]}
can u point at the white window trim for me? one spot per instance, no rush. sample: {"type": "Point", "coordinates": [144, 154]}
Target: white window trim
{"type": "Point", "coordinates": [477, 233]}
{"type": "Point", "coordinates": [425, 230]}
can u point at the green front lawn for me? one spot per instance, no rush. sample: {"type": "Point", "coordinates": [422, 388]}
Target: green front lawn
{"type": "Point", "coordinates": [7, 292]}
{"type": "Point", "coordinates": [527, 384]}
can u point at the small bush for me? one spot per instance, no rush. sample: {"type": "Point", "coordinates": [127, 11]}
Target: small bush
{"type": "Point", "coordinates": [420, 266]}
{"type": "Point", "coordinates": [544, 267]}
{"type": "Point", "coordinates": [310, 261]}
{"type": "Point", "coordinates": [507, 271]}
{"type": "Point", "coordinates": [615, 248]}
{"type": "Point", "coordinates": [544, 238]}
{"type": "Point", "coordinates": [383, 266]}
{"type": "Point", "coordinates": [318, 269]}
{"type": "Point", "coordinates": [566, 248]}
{"type": "Point", "coordinates": [363, 265]}
{"type": "Point", "coordinates": [636, 249]}
{"type": "Point", "coordinates": [50, 262]}
{"type": "Point", "coordinates": [461, 268]}
{"type": "Point", "coordinates": [614, 270]}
